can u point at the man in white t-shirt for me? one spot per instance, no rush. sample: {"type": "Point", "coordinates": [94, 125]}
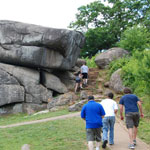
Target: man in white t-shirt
{"type": "Point", "coordinates": [84, 71]}
{"type": "Point", "coordinates": [111, 108]}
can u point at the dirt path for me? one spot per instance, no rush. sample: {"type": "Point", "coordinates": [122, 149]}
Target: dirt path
{"type": "Point", "coordinates": [122, 139]}
{"type": "Point", "coordinates": [42, 120]}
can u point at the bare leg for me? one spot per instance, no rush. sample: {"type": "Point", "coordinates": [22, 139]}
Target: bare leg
{"type": "Point", "coordinates": [97, 145]}
{"type": "Point", "coordinates": [76, 86]}
{"type": "Point", "coordinates": [91, 145]}
{"type": "Point", "coordinates": [130, 131]}
{"type": "Point", "coordinates": [86, 80]}
{"type": "Point", "coordinates": [81, 85]}
{"type": "Point", "coordinates": [135, 132]}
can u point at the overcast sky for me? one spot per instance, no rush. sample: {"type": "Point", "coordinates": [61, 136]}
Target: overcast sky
{"type": "Point", "coordinates": [50, 13]}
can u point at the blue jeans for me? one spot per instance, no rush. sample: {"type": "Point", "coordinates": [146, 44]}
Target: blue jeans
{"type": "Point", "coordinates": [108, 125]}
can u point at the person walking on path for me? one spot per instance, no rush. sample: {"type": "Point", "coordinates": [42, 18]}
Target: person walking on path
{"type": "Point", "coordinates": [84, 71]}
{"type": "Point", "coordinates": [92, 113]}
{"type": "Point", "coordinates": [111, 108]}
{"type": "Point", "coordinates": [132, 106]}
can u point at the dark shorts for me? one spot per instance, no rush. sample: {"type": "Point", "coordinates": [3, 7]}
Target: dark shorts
{"type": "Point", "coordinates": [93, 134]}
{"type": "Point", "coordinates": [78, 81]}
{"type": "Point", "coordinates": [132, 119]}
{"type": "Point", "coordinates": [85, 75]}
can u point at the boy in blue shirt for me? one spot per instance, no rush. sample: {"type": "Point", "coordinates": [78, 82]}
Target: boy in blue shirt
{"type": "Point", "coordinates": [92, 113]}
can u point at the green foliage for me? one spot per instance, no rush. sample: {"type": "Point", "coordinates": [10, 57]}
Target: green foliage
{"type": "Point", "coordinates": [54, 135]}
{"type": "Point", "coordinates": [135, 38]}
{"type": "Point", "coordinates": [104, 24]}
{"type": "Point", "coordinates": [136, 74]}
{"type": "Point", "coordinates": [144, 130]}
{"type": "Point", "coordinates": [98, 39]}
{"type": "Point", "coordinates": [91, 62]}
{"type": "Point", "coordinates": [117, 64]}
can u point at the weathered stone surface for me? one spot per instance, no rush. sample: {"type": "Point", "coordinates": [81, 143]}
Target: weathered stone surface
{"type": "Point", "coordinates": [11, 109]}
{"type": "Point", "coordinates": [65, 99]}
{"type": "Point", "coordinates": [37, 46]}
{"type": "Point", "coordinates": [103, 59]}
{"type": "Point", "coordinates": [29, 79]}
{"type": "Point", "coordinates": [6, 78]}
{"type": "Point", "coordinates": [31, 108]}
{"type": "Point", "coordinates": [11, 94]}
{"type": "Point", "coordinates": [21, 74]}
{"type": "Point", "coordinates": [37, 94]}
{"type": "Point", "coordinates": [67, 77]}
{"type": "Point", "coordinates": [83, 95]}
{"type": "Point", "coordinates": [77, 106]}
{"type": "Point", "coordinates": [116, 82]}
{"type": "Point", "coordinates": [52, 82]}
{"type": "Point", "coordinates": [106, 84]}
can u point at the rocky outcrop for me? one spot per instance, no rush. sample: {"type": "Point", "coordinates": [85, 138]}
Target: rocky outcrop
{"type": "Point", "coordinates": [36, 46]}
{"type": "Point", "coordinates": [65, 99]}
{"type": "Point", "coordinates": [116, 82]}
{"type": "Point", "coordinates": [35, 64]}
{"type": "Point", "coordinates": [103, 59]}
{"type": "Point", "coordinates": [77, 106]}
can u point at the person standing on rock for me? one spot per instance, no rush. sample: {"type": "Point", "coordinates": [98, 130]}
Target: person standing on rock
{"type": "Point", "coordinates": [84, 71]}
{"type": "Point", "coordinates": [111, 108]}
{"type": "Point", "coordinates": [92, 113]}
{"type": "Point", "coordinates": [132, 106]}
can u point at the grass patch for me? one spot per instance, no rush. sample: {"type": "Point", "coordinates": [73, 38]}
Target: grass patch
{"type": "Point", "coordinates": [11, 119]}
{"type": "Point", "coordinates": [53, 135]}
{"type": "Point", "coordinates": [67, 134]}
{"type": "Point", "coordinates": [144, 130]}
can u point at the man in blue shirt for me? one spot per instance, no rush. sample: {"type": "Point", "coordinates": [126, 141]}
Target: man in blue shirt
{"type": "Point", "coordinates": [92, 113]}
{"type": "Point", "coordinates": [131, 103]}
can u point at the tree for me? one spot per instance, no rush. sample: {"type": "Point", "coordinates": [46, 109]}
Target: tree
{"type": "Point", "coordinates": [96, 40]}
{"type": "Point", "coordinates": [116, 17]}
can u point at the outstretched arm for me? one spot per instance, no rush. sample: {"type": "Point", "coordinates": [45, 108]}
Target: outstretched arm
{"type": "Point", "coordinates": [140, 108]}
{"type": "Point", "coordinates": [121, 112]}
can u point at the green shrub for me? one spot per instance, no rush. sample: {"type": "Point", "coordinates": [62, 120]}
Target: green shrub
{"type": "Point", "coordinates": [136, 74]}
{"type": "Point", "coordinates": [135, 38]}
{"type": "Point", "coordinates": [91, 62]}
{"type": "Point", "coordinates": [116, 64]}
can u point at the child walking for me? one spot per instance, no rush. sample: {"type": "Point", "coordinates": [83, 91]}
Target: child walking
{"type": "Point", "coordinates": [78, 81]}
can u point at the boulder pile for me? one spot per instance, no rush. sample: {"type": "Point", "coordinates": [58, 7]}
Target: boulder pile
{"type": "Point", "coordinates": [35, 65]}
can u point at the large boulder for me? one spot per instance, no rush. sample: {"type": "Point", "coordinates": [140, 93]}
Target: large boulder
{"type": "Point", "coordinates": [65, 99]}
{"type": "Point", "coordinates": [103, 59]}
{"type": "Point", "coordinates": [116, 82]}
{"type": "Point", "coordinates": [52, 82]}
{"type": "Point", "coordinates": [11, 94]}
{"type": "Point", "coordinates": [27, 78]}
{"type": "Point", "coordinates": [35, 65]}
{"type": "Point", "coordinates": [36, 46]}
{"type": "Point", "coordinates": [66, 77]}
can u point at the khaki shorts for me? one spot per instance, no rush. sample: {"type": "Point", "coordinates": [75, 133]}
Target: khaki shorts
{"type": "Point", "coordinates": [93, 134]}
{"type": "Point", "coordinates": [132, 119]}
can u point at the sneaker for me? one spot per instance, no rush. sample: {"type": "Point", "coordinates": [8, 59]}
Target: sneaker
{"type": "Point", "coordinates": [131, 146]}
{"type": "Point", "coordinates": [104, 144]}
{"type": "Point", "coordinates": [134, 142]}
